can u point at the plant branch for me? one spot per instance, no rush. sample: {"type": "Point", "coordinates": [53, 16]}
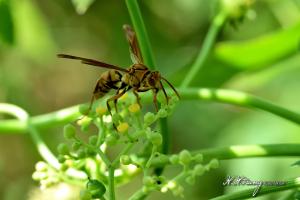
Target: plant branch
{"type": "Point", "coordinates": [208, 44]}
{"type": "Point", "coordinates": [208, 94]}
{"type": "Point", "coordinates": [241, 151]}
{"type": "Point", "coordinates": [23, 118]}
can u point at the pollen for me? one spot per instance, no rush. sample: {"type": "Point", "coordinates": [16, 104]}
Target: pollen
{"type": "Point", "coordinates": [134, 108]}
{"type": "Point", "coordinates": [124, 97]}
{"type": "Point", "coordinates": [101, 110]}
{"type": "Point", "coordinates": [123, 127]}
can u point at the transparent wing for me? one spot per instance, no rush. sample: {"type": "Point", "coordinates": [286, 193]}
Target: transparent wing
{"type": "Point", "coordinates": [134, 49]}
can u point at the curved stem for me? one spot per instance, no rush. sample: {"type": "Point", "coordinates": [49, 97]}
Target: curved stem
{"type": "Point", "coordinates": [241, 151]}
{"type": "Point", "coordinates": [208, 44]}
{"type": "Point", "coordinates": [208, 94]}
{"type": "Point", "coordinates": [245, 194]}
{"type": "Point", "coordinates": [23, 117]}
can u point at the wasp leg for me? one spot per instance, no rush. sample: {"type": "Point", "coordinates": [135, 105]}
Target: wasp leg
{"type": "Point", "coordinates": [116, 100]}
{"type": "Point", "coordinates": [116, 97]}
{"type": "Point", "coordinates": [155, 91]}
{"type": "Point", "coordinates": [138, 98]}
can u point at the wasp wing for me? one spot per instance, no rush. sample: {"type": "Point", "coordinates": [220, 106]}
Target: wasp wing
{"type": "Point", "coordinates": [92, 62]}
{"type": "Point", "coordinates": [134, 49]}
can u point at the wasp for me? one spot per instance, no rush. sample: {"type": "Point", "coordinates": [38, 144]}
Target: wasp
{"type": "Point", "coordinates": [137, 77]}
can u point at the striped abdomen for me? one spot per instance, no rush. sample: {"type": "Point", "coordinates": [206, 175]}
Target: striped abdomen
{"type": "Point", "coordinates": [108, 80]}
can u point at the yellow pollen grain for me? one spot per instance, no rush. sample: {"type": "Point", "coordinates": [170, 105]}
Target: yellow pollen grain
{"type": "Point", "coordinates": [134, 108]}
{"type": "Point", "coordinates": [124, 97]}
{"type": "Point", "coordinates": [123, 127]}
{"type": "Point", "coordinates": [101, 110]}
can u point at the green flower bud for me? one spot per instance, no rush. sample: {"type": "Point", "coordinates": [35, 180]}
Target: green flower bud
{"type": "Point", "coordinates": [93, 140]}
{"type": "Point", "coordinates": [38, 176]}
{"type": "Point", "coordinates": [83, 109]}
{"type": "Point", "coordinates": [96, 188]}
{"type": "Point", "coordinates": [148, 181]}
{"type": "Point", "coordinates": [63, 149]}
{"type": "Point", "coordinates": [190, 180]}
{"type": "Point", "coordinates": [125, 160]}
{"type": "Point", "coordinates": [162, 113]}
{"type": "Point", "coordinates": [174, 159]}
{"type": "Point", "coordinates": [85, 195]}
{"type": "Point", "coordinates": [69, 131]}
{"type": "Point", "coordinates": [81, 153]}
{"type": "Point", "coordinates": [89, 151]}
{"type": "Point", "coordinates": [199, 169]}
{"type": "Point", "coordinates": [64, 167]}
{"type": "Point", "coordinates": [198, 158]}
{"type": "Point", "coordinates": [41, 166]}
{"type": "Point", "coordinates": [149, 118]}
{"type": "Point", "coordinates": [61, 158]}
{"type": "Point", "coordinates": [155, 138]}
{"type": "Point", "coordinates": [76, 145]}
{"type": "Point", "coordinates": [85, 123]}
{"type": "Point", "coordinates": [213, 164]}
{"type": "Point", "coordinates": [111, 140]}
{"type": "Point", "coordinates": [185, 157]}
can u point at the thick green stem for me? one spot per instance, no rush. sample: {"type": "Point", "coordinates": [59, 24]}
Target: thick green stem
{"type": "Point", "coordinates": [111, 182]}
{"type": "Point", "coordinates": [246, 194]}
{"type": "Point", "coordinates": [241, 151]}
{"type": "Point", "coordinates": [140, 29]}
{"type": "Point", "coordinates": [145, 46]}
{"type": "Point", "coordinates": [208, 94]}
{"type": "Point", "coordinates": [208, 44]}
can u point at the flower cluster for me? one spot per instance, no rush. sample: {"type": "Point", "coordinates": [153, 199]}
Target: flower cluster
{"type": "Point", "coordinates": [84, 157]}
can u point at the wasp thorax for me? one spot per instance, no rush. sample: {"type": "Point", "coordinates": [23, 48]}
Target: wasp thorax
{"type": "Point", "coordinates": [153, 79]}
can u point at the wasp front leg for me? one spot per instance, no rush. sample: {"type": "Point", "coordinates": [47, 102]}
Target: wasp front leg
{"type": "Point", "coordinates": [155, 91]}
{"type": "Point", "coordinates": [138, 98]}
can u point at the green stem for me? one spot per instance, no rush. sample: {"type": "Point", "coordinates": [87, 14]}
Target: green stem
{"type": "Point", "coordinates": [208, 94]}
{"type": "Point", "coordinates": [111, 182]}
{"type": "Point", "coordinates": [145, 46]}
{"type": "Point", "coordinates": [245, 194]}
{"type": "Point", "coordinates": [241, 151]}
{"type": "Point", "coordinates": [23, 118]}
{"type": "Point", "coordinates": [208, 44]}
{"type": "Point", "coordinates": [123, 152]}
{"type": "Point", "coordinates": [140, 29]}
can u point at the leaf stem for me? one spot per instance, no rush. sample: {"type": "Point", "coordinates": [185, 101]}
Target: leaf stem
{"type": "Point", "coordinates": [208, 44]}
{"type": "Point", "coordinates": [241, 151]}
{"type": "Point", "coordinates": [208, 94]}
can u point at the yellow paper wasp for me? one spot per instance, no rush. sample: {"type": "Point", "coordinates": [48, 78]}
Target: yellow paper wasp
{"type": "Point", "coordinates": [137, 77]}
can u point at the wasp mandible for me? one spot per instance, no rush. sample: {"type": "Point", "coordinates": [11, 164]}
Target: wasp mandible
{"type": "Point", "coordinates": [137, 77]}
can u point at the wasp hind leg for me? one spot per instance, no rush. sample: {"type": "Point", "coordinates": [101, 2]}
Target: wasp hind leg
{"type": "Point", "coordinates": [114, 98]}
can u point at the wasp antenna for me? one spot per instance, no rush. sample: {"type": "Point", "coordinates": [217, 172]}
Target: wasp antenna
{"type": "Point", "coordinates": [164, 91]}
{"type": "Point", "coordinates": [68, 56]}
{"type": "Point", "coordinates": [173, 88]}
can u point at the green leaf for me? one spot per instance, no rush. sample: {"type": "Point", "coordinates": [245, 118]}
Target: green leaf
{"type": "Point", "coordinates": [261, 51]}
{"type": "Point", "coordinates": [81, 6]}
{"type": "Point", "coordinates": [6, 23]}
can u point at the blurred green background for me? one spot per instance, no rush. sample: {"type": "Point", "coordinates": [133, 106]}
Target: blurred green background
{"type": "Point", "coordinates": [259, 56]}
